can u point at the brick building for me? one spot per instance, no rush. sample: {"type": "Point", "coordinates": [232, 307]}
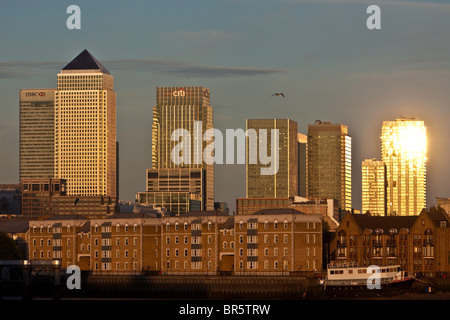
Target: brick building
{"type": "Point", "coordinates": [208, 242]}
{"type": "Point", "coordinates": [419, 244]}
{"type": "Point", "coordinates": [277, 241]}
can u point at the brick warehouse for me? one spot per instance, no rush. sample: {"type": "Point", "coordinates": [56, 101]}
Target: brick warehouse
{"type": "Point", "coordinates": [419, 244]}
{"type": "Point", "coordinates": [276, 241]}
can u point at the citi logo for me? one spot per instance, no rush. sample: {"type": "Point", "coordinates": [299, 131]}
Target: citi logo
{"type": "Point", "coordinates": [181, 92]}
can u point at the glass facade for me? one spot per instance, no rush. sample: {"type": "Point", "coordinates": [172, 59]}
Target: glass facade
{"type": "Point", "coordinates": [373, 187]}
{"type": "Point", "coordinates": [36, 134]}
{"type": "Point", "coordinates": [181, 108]}
{"type": "Point", "coordinates": [403, 151]}
{"type": "Point", "coordinates": [285, 182]}
{"type": "Point", "coordinates": [174, 202]}
{"type": "Point", "coordinates": [329, 156]}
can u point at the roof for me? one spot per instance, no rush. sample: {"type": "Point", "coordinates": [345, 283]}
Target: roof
{"type": "Point", "coordinates": [86, 228]}
{"type": "Point", "coordinates": [11, 226]}
{"type": "Point", "coordinates": [204, 213]}
{"type": "Point", "coordinates": [365, 221]}
{"type": "Point", "coordinates": [277, 211]}
{"type": "Point", "coordinates": [229, 224]}
{"type": "Point", "coordinates": [438, 215]}
{"type": "Point", "coordinates": [133, 215]}
{"type": "Point", "coordinates": [85, 61]}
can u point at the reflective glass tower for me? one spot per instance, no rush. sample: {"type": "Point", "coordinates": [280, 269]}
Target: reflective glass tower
{"type": "Point", "coordinates": [403, 151]}
{"type": "Point", "coordinates": [37, 134]}
{"type": "Point", "coordinates": [189, 109]}
{"type": "Point", "coordinates": [284, 183]}
{"type": "Point", "coordinates": [329, 155]}
{"type": "Point", "coordinates": [373, 187]}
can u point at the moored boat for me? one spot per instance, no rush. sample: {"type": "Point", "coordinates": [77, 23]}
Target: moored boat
{"type": "Point", "coordinates": [352, 280]}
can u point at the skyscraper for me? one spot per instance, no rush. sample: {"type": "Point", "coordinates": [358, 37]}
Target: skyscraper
{"type": "Point", "coordinates": [37, 133]}
{"type": "Point", "coordinates": [403, 151]}
{"type": "Point", "coordinates": [302, 146]}
{"type": "Point", "coordinates": [284, 183]}
{"type": "Point", "coordinates": [183, 108]}
{"type": "Point", "coordinates": [329, 153]}
{"type": "Point", "coordinates": [373, 187]}
{"type": "Point", "coordinates": [85, 127]}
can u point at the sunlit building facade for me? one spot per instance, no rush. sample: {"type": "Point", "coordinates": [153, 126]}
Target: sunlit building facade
{"type": "Point", "coordinates": [37, 133]}
{"type": "Point", "coordinates": [403, 151]}
{"type": "Point", "coordinates": [284, 182]}
{"type": "Point", "coordinates": [85, 128]}
{"type": "Point", "coordinates": [185, 109]}
{"type": "Point", "coordinates": [329, 156]}
{"type": "Point", "coordinates": [373, 187]}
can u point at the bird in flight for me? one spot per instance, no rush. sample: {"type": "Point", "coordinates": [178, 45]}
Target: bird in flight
{"type": "Point", "coordinates": [278, 94]}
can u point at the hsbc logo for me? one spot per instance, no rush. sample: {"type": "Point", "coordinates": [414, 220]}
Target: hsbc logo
{"type": "Point", "coordinates": [181, 92]}
{"type": "Point", "coordinates": [34, 94]}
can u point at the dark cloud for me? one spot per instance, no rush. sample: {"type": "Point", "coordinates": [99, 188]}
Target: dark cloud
{"type": "Point", "coordinates": [187, 69]}
{"type": "Point", "coordinates": [20, 69]}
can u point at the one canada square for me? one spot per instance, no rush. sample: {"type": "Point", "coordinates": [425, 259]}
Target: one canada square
{"type": "Point", "coordinates": [76, 124]}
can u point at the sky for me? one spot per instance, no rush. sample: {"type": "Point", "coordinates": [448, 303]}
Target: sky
{"type": "Point", "coordinates": [319, 53]}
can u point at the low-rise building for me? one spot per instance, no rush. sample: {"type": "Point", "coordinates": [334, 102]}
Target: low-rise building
{"type": "Point", "coordinates": [419, 244]}
{"type": "Point", "coordinates": [48, 197]}
{"type": "Point", "coordinates": [277, 241]}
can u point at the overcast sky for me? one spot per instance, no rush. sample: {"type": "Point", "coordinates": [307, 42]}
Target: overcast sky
{"type": "Point", "coordinates": [319, 53]}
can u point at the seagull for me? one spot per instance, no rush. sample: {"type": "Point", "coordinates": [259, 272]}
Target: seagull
{"type": "Point", "coordinates": [278, 94]}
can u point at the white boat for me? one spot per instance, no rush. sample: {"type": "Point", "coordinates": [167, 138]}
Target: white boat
{"type": "Point", "coordinates": [351, 280]}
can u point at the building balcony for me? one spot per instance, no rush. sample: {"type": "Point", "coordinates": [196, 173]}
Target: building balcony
{"type": "Point", "coordinates": [377, 243]}
{"type": "Point", "coordinates": [391, 243]}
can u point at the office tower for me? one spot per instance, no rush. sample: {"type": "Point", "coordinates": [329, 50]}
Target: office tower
{"type": "Point", "coordinates": [329, 155]}
{"type": "Point", "coordinates": [403, 151]}
{"type": "Point", "coordinates": [177, 190]}
{"type": "Point", "coordinates": [36, 133]}
{"type": "Point", "coordinates": [183, 108]}
{"type": "Point", "coordinates": [302, 142]}
{"type": "Point", "coordinates": [85, 127]}
{"type": "Point", "coordinates": [373, 187]}
{"type": "Point", "coordinates": [284, 183]}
